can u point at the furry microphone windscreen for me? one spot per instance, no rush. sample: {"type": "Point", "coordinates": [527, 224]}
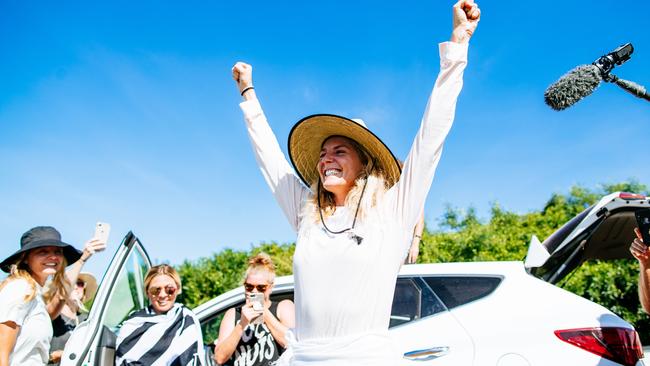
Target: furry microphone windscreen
{"type": "Point", "coordinates": [573, 86]}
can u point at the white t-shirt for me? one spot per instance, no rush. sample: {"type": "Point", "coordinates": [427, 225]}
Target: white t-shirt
{"type": "Point", "coordinates": [344, 290]}
{"type": "Point", "coordinates": [35, 332]}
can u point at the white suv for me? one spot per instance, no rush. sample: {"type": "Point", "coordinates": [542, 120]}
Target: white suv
{"type": "Point", "coordinates": [478, 313]}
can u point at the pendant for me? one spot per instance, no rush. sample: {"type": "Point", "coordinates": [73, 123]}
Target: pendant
{"type": "Point", "coordinates": [355, 237]}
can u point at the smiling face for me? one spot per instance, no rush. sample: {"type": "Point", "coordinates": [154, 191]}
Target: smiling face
{"type": "Point", "coordinates": [44, 262]}
{"type": "Point", "coordinates": [162, 292]}
{"type": "Point", "coordinates": [339, 166]}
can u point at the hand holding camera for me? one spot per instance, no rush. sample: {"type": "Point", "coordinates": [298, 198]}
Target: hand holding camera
{"type": "Point", "coordinates": [639, 246]}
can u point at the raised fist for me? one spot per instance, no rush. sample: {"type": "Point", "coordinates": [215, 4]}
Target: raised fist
{"type": "Point", "coordinates": [242, 73]}
{"type": "Point", "coordinates": [466, 17]}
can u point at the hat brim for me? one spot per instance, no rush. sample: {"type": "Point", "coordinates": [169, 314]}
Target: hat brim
{"type": "Point", "coordinates": [90, 285]}
{"type": "Point", "coordinates": [307, 137]}
{"type": "Point", "coordinates": [70, 253]}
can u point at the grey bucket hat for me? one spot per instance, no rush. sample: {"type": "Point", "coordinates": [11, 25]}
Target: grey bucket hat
{"type": "Point", "coordinates": [41, 236]}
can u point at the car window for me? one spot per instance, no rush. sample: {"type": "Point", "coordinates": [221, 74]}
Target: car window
{"type": "Point", "coordinates": [413, 300]}
{"type": "Point", "coordinates": [128, 293]}
{"type": "Point", "coordinates": [458, 290]}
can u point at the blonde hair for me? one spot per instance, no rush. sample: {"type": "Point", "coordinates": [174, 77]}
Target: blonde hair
{"type": "Point", "coordinates": [59, 287]}
{"type": "Point", "coordinates": [371, 177]}
{"type": "Point", "coordinates": [162, 270]}
{"type": "Point", "coordinates": [261, 262]}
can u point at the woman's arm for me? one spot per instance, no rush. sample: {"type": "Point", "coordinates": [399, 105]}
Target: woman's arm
{"type": "Point", "coordinates": [56, 303]}
{"type": "Point", "coordinates": [229, 335]}
{"type": "Point", "coordinates": [640, 251]}
{"type": "Point", "coordinates": [278, 173]}
{"type": "Point", "coordinates": [286, 319]}
{"type": "Point", "coordinates": [91, 247]}
{"type": "Point", "coordinates": [414, 250]}
{"type": "Point", "coordinates": [8, 335]}
{"type": "Point", "coordinates": [421, 163]}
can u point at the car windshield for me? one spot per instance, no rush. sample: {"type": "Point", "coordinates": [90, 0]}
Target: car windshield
{"type": "Point", "coordinates": [553, 242]}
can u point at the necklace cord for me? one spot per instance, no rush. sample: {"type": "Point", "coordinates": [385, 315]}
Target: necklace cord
{"type": "Point", "coordinates": [356, 212]}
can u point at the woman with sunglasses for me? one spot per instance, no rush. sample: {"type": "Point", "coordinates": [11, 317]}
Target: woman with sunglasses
{"type": "Point", "coordinates": [25, 324]}
{"type": "Point", "coordinates": [74, 312]}
{"type": "Point", "coordinates": [353, 211]}
{"type": "Point", "coordinates": [251, 335]}
{"type": "Point", "coordinates": [165, 332]}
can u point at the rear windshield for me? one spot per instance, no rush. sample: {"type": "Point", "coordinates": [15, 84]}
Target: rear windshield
{"type": "Point", "coordinates": [552, 242]}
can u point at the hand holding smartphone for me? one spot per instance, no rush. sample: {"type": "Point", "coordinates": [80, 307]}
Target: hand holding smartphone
{"type": "Point", "coordinates": [257, 302]}
{"type": "Point", "coordinates": [98, 242]}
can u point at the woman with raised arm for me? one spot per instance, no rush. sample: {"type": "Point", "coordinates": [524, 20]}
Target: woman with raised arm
{"type": "Point", "coordinates": [353, 211]}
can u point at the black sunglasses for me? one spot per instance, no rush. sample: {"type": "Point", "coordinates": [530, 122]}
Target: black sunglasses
{"type": "Point", "coordinates": [249, 287]}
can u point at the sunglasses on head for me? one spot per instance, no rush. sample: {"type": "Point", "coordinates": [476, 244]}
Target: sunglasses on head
{"type": "Point", "coordinates": [169, 290]}
{"type": "Point", "coordinates": [249, 287]}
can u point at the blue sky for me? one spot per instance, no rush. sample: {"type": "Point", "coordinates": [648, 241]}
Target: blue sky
{"type": "Point", "coordinates": [125, 112]}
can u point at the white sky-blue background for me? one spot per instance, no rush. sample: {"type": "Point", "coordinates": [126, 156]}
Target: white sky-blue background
{"type": "Point", "coordinates": [125, 111]}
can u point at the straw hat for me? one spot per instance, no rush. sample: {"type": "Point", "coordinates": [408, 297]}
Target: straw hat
{"type": "Point", "coordinates": [90, 285]}
{"type": "Point", "coordinates": [307, 136]}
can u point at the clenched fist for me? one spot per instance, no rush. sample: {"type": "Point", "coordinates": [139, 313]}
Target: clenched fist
{"type": "Point", "coordinates": [466, 17]}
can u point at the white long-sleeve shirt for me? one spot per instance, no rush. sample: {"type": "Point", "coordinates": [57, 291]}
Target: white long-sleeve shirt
{"type": "Point", "coordinates": [344, 291]}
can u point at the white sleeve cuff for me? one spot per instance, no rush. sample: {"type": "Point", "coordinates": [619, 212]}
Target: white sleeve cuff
{"type": "Point", "coordinates": [251, 109]}
{"type": "Point", "coordinates": [452, 51]}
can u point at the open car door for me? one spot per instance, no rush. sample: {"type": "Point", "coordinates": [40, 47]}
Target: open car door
{"type": "Point", "coordinates": [121, 292]}
{"type": "Point", "coordinates": [603, 231]}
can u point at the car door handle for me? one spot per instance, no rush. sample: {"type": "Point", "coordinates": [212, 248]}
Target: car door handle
{"type": "Point", "coordinates": [426, 354]}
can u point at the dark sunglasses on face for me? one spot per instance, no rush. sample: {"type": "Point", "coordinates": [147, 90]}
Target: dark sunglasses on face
{"type": "Point", "coordinates": [249, 287]}
{"type": "Point", "coordinates": [81, 284]}
{"type": "Point", "coordinates": [169, 290]}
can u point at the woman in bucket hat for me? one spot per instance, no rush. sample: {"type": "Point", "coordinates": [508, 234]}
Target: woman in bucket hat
{"type": "Point", "coordinates": [355, 220]}
{"type": "Point", "coordinates": [25, 325]}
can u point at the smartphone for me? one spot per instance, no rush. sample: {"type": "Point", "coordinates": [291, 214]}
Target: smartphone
{"type": "Point", "coordinates": [643, 222]}
{"type": "Point", "coordinates": [257, 301]}
{"type": "Point", "coordinates": [102, 230]}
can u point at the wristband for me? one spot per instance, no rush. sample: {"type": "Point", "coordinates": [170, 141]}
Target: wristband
{"type": "Point", "coordinates": [246, 89]}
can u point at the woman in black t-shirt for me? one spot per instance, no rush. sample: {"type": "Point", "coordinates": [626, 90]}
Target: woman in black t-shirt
{"type": "Point", "coordinates": [250, 336]}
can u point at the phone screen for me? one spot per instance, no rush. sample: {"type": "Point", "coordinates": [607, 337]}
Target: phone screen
{"type": "Point", "coordinates": [643, 222]}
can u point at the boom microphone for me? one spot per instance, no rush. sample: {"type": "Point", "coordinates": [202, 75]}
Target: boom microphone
{"type": "Point", "coordinates": [583, 80]}
{"type": "Point", "coordinates": [572, 86]}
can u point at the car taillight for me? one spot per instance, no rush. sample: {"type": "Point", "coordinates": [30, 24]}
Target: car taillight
{"type": "Point", "coordinates": [631, 196]}
{"type": "Point", "coordinates": [620, 345]}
